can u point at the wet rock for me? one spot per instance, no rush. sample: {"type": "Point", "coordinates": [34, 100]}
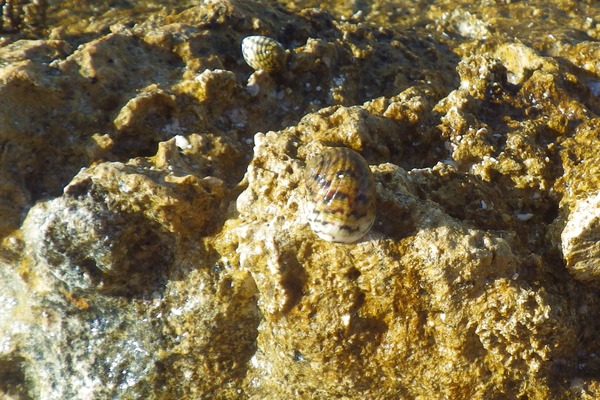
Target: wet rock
{"type": "Point", "coordinates": [49, 334]}
{"type": "Point", "coordinates": [99, 260]}
{"type": "Point", "coordinates": [152, 239]}
{"type": "Point", "coordinates": [116, 226]}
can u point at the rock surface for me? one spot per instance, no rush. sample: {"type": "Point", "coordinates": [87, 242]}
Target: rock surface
{"type": "Point", "coordinates": [153, 244]}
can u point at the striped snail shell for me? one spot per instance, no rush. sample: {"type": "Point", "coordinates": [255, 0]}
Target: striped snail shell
{"type": "Point", "coordinates": [263, 53]}
{"type": "Point", "coordinates": [340, 195]}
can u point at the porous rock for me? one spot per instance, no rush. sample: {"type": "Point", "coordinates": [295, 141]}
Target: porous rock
{"type": "Point", "coordinates": [350, 311]}
{"type": "Point", "coordinates": [581, 240]}
{"type": "Point", "coordinates": [153, 244]}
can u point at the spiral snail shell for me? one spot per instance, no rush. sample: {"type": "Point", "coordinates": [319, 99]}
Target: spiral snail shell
{"type": "Point", "coordinates": [340, 195]}
{"type": "Point", "coordinates": [263, 53]}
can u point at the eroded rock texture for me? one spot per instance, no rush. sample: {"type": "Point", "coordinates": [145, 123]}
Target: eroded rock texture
{"type": "Point", "coordinates": [153, 241]}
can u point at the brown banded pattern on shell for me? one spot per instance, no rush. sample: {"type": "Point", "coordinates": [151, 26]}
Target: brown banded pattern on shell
{"type": "Point", "coordinates": [263, 53]}
{"type": "Point", "coordinates": [340, 195]}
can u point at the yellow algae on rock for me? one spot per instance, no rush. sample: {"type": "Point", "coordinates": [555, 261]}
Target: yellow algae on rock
{"type": "Point", "coordinates": [151, 194]}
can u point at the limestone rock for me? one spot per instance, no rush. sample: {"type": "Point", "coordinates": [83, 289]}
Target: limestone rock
{"type": "Point", "coordinates": [337, 307]}
{"type": "Point", "coordinates": [581, 240]}
{"type": "Point", "coordinates": [152, 243]}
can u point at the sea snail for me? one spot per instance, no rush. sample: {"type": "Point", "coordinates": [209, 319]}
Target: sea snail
{"type": "Point", "coordinates": [340, 195]}
{"type": "Point", "coordinates": [263, 53]}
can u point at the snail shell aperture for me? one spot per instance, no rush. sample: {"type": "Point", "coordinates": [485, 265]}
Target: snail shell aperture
{"type": "Point", "coordinates": [340, 195]}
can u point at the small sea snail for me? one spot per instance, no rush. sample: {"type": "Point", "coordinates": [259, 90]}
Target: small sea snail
{"type": "Point", "coordinates": [340, 195]}
{"type": "Point", "coordinates": [263, 53]}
